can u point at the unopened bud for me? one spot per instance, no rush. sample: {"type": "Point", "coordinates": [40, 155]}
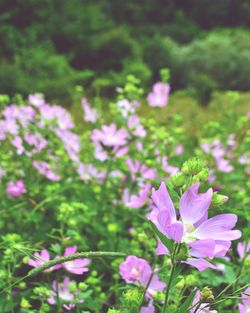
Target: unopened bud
{"type": "Point", "coordinates": [206, 295]}
{"type": "Point", "coordinates": [218, 200]}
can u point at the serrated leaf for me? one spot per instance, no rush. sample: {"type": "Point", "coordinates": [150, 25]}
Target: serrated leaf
{"type": "Point", "coordinates": [184, 307]}
{"type": "Point", "coordinates": [168, 243]}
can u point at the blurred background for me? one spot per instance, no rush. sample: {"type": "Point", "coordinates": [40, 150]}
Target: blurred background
{"type": "Point", "coordinates": [51, 46]}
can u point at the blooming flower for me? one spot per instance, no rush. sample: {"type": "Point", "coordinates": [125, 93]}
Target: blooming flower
{"type": "Point", "coordinates": [244, 307]}
{"type": "Point", "coordinates": [40, 258]}
{"type": "Point", "coordinates": [205, 237]}
{"type": "Point", "coordinates": [138, 270]}
{"type": "Point", "coordinates": [137, 201]}
{"type": "Point", "coordinates": [16, 189]}
{"type": "Point", "coordinates": [77, 266]}
{"type": "Point", "coordinates": [137, 168]}
{"type": "Point", "coordinates": [36, 99]}
{"type": "Point", "coordinates": [62, 291]}
{"type": "Point", "coordinates": [90, 115]}
{"type": "Point", "coordinates": [159, 95]}
{"type": "Point", "coordinates": [44, 169]}
{"type": "Point", "coordinates": [110, 136]}
{"type": "Point", "coordinates": [135, 127]}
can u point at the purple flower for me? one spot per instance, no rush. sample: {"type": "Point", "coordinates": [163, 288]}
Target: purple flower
{"type": "Point", "coordinates": [205, 237]}
{"type": "Point", "coordinates": [137, 201]}
{"type": "Point", "coordinates": [36, 99]}
{"type": "Point", "coordinates": [90, 115]}
{"type": "Point", "coordinates": [62, 291]}
{"type": "Point", "coordinates": [40, 258]}
{"type": "Point", "coordinates": [179, 149]}
{"type": "Point", "coordinates": [110, 136]}
{"type": "Point", "coordinates": [159, 95]}
{"type": "Point", "coordinates": [135, 269]}
{"type": "Point", "coordinates": [137, 168]}
{"type": "Point", "coordinates": [77, 266]}
{"type": "Point", "coordinates": [244, 307]}
{"type": "Point", "coordinates": [138, 270]}
{"type": "Point", "coordinates": [16, 189]}
{"type": "Point", "coordinates": [169, 168]}
{"type": "Point", "coordinates": [135, 127]}
{"type": "Point", "coordinates": [125, 107]}
{"type": "Point", "coordinates": [44, 169]}
{"type": "Point", "coordinates": [243, 249]}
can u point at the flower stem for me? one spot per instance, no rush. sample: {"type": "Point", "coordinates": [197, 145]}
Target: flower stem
{"type": "Point", "coordinates": [91, 254]}
{"type": "Point", "coordinates": [173, 266]}
{"type": "Point", "coordinates": [168, 287]}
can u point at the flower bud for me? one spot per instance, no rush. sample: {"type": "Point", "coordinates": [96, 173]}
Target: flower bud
{"type": "Point", "coordinates": [206, 295]}
{"type": "Point", "coordinates": [178, 180]}
{"type": "Point", "coordinates": [218, 200]}
{"type": "Point", "coordinates": [25, 304]}
{"type": "Point", "coordinates": [83, 286]}
{"type": "Point", "coordinates": [192, 167]}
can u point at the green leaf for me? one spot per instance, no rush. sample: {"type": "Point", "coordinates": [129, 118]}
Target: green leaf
{"type": "Point", "coordinates": [168, 243]}
{"type": "Point", "coordinates": [184, 307]}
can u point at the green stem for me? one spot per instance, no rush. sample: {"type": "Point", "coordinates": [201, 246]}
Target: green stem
{"type": "Point", "coordinates": [145, 290]}
{"type": "Point", "coordinates": [168, 287]}
{"type": "Point", "coordinates": [91, 254]}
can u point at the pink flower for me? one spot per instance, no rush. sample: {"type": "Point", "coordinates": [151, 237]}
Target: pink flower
{"type": "Point", "coordinates": [110, 136]}
{"type": "Point", "coordinates": [140, 170]}
{"type": "Point", "coordinates": [36, 99]}
{"type": "Point", "coordinates": [77, 266]}
{"type": "Point", "coordinates": [62, 291]}
{"type": "Point", "coordinates": [159, 96]}
{"type": "Point", "coordinates": [44, 169]}
{"type": "Point", "coordinates": [179, 149]}
{"type": "Point", "coordinates": [135, 127]}
{"type": "Point", "coordinates": [90, 115]}
{"type": "Point", "coordinates": [205, 237]}
{"type": "Point", "coordinates": [244, 307]}
{"type": "Point", "coordinates": [40, 258]}
{"type": "Point", "coordinates": [16, 189]}
{"type": "Point", "coordinates": [138, 270]}
{"type": "Point", "coordinates": [137, 201]}
{"type": "Point", "coordinates": [169, 168]}
{"type": "Point", "coordinates": [243, 249]}
{"type": "Point", "coordinates": [135, 269]}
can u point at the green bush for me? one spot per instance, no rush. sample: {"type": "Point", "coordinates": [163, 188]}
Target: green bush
{"type": "Point", "coordinates": [40, 70]}
{"type": "Point", "coordinates": [223, 56]}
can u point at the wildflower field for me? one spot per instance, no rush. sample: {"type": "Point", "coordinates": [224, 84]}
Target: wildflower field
{"type": "Point", "coordinates": [118, 207]}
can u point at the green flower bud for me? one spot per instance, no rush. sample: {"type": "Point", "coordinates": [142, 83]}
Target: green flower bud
{"type": "Point", "coordinates": [203, 175]}
{"type": "Point", "coordinates": [178, 180]}
{"type": "Point", "coordinates": [133, 296]}
{"type": "Point", "coordinates": [206, 295]}
{"type": "Point", "coordinates": [192, 167]}
{"type": "Point", "coordinates": [83, 286]}
{"type": "Point", "coordinates": [25, 304]}
{"type": "Point", "coordinates": [112, 228]}
{"type": "Point", "coordinates": [218, 200]}
{"type": "Point", "coordinates": [73, 286]}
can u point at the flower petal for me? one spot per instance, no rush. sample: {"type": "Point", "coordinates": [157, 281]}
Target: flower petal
{"type": "Point", "coordinates": [202, 248]}
{"type": "Point", "coordinates": [193, 206]}
{"type": "Point", "coordinates": [200, 264]}
{"type": "Point", "coordinates": [163, 201]}
{"type": "Point", "coordinates": [219, 228]}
